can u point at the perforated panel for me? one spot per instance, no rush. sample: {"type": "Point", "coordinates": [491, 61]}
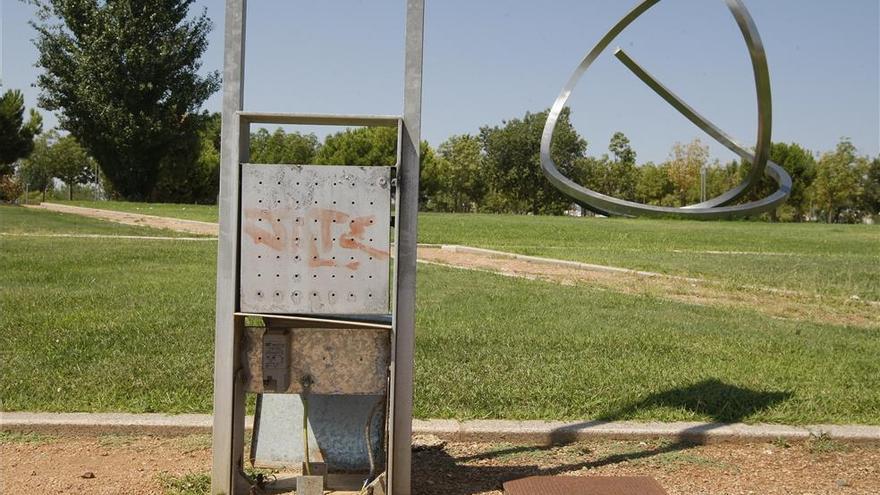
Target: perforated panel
{"type": "Point", "coordinates": [315, 239]}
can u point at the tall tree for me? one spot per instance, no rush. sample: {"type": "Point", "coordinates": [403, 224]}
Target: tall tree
{"type": "Point", "coordinates": [125, 77]}
{"type": "Point", "coordinates": [282, 147]}
{"type": "Point", "coordinates": [623, 175]}
{"type": "Point", "coordinates": [364, 146]}
{"type": "Point", "coordinates": [684, 166]}
{"type": "Point", "coordinates": [871, 198]}
{"type": "Point", "coordinates": [38, 169]}
{"type": "Point", "coordinates": [16, 135]}
{"type": "Point", "coordinates": [800, 165]}
{"type": "Point", "coordinates": [58, 157]}
{"type": "Point", "coordinates": [190, 173]}
{"type": "Point", "coordinates": [73, 165]}
{"type": "Point", "coordinates": [839, 180]}
{"type": "Point", "coordinates": [654, 186]}
{"type": "Point", "coordinates": [455, 179]}
{"type": "Point", "coordinates": [620, 148]}
{"type": "Point", "coordinates": [514, 166]}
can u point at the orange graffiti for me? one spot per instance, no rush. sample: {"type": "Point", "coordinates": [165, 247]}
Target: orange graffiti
{"type": "Point", "coordinates": [355, 234]}
{"type": "Point", "coordinates": [262, 227]}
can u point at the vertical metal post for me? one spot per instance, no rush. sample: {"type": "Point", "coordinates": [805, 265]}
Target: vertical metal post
{"type": "Point", "coordinates": [400, 437]}
{"type": "Point", "coordinates": [225, 415]}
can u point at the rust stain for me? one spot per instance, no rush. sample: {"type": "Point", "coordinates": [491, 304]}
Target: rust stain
{"type": "Point", "coordinates": [353, 265]}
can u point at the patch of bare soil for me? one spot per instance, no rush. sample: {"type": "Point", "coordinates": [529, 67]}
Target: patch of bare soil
{"type": "Point", "coordinates": [176, 224]}
{"type": "Point", "coordinates": [137, 465]}
{"type": "Point", "coordinates": [778, 304]}
{"type": "Point", "coordinates": [101, 466]}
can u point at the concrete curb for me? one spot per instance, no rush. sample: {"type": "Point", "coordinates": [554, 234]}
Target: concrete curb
{"type": "Point", "coordinates": [523, 432]}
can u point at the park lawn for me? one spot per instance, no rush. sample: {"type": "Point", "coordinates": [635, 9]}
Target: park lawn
{"type": "Point", "coordinates": [201, 213]}
{"type": "Point", "coordinates": [834, 260]}
{"type": "Point", "coordinates": [127, 325]}
{"type": "Point", "coordinates": [17, 221]}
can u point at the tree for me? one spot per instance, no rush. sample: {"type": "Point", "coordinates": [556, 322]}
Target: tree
{"type": "Point", "coordinates": [455, 179]}
{"type": "Point", "coordinates": [16, 135]}
{"type": "Point", "coordinates": [839, 180]}
{"type": "Point", "coordinates": [623, 175]}
{"type": "Point", "coordinates": [364, 146]}
{"type": "Point", "coordinates": [871, 197]}
{"type": "Point", "coordinates": [191, 172]}
{"type": "Point", "coordinates": [281, 147]}
{"type": "Point", "coordinates": [721, 178]}
{"type": "Point", "coordinates": [653, 186]}
{"type": "Point", "coordinates": [38, 170]}
{"type": "Point", "coordinates": [59, 157]}
{"type": "Point", "coordinates": [124, 76]}
{"type": "Point", "coordinates": [800, 165]}
{"type": "Point", "coordinates": [684, 166]}
{"type": "Point", "coordinates": [73, 165]}
{"type": "Point", "coordinates": [620, 148]}
{"type": "Point", "coordinates": [513, 164]}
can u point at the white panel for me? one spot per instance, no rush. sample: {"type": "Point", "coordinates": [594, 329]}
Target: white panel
{"type": "Point", "coordinates": [315, 239]}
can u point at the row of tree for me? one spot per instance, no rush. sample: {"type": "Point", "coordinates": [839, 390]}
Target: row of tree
{"type": "Point", "coordinates": [498, 170]}
{"type": "Point", "coordinates": [125, 80]}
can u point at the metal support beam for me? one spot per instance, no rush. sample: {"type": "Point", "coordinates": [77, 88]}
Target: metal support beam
{"type": "Point", "coordinates": [224, 477]}
{"type": "Point", "coordinates": [400, 437]}
{"type": "Point", "coordinates": [229, 387]}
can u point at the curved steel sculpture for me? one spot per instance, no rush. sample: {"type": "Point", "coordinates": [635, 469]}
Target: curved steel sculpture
{"type": "Point", "coordinates": [717, 207]}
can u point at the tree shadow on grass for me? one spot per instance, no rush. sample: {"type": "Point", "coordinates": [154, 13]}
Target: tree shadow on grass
{"type": "Point", "coordinates": [435, 471]}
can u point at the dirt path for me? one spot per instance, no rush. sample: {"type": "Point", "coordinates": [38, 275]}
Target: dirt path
{"type": "Point", "coordinates": [188, 226]}
{"type": "Point", "coordinates": [778, 304]}
{"type": "Point", "coordinates": [150, 465]}
{"type": "Point", "coordinates": [775, 303]}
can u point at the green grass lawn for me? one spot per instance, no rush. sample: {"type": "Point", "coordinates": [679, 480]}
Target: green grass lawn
{"type": "Point", "coordinates": [25, 221]}
{"type": "Point", "coordinates": [127, 325]}
{"type": "Point", "coordinates": [836, 260]}
{"type": "Point", "coordinates": [839, 260]}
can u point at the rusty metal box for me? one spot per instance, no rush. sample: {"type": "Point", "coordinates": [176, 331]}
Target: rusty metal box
{"type": "Point", "coordinates": [351, 361]}
{"type": "Point", "coordinates": [315, 239]}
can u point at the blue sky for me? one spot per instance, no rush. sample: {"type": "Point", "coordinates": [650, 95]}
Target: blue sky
{"type": "Point", "coordinates": [491, 60]}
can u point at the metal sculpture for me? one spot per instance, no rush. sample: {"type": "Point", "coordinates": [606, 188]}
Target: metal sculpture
{"type": "Point", "coordinates": [719, 207]}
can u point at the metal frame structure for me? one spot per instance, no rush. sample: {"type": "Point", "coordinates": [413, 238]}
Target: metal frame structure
{"type": "Point", "coordinates": [718, 207]}
{"type": "Point", "coordinates": [229, 374]}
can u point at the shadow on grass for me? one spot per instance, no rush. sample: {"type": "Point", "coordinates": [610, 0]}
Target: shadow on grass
{"type": "Point", "coordinates": [722, 402]}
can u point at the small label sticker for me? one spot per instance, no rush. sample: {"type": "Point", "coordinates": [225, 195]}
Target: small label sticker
{"type": "Point", "coordinates": [274, 352]}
